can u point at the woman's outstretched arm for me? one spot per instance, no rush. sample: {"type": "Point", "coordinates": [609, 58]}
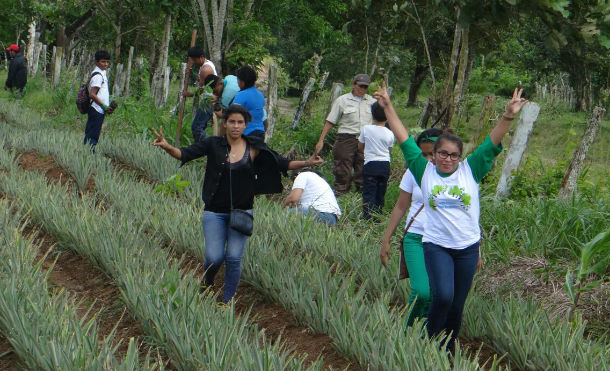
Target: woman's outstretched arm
{"type": "Point", "coordinates": [514, 106]}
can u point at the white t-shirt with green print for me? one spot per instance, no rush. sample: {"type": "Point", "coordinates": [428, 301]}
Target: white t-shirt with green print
{"type": "Point", "coordinates": [451, 201]}
{"type": "Point", "coordinates": [451, 206]}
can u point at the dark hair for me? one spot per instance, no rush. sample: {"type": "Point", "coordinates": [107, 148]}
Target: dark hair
{"type": "Point", "coordinates": [237, 108]}
{"type": "Point", "coordinates": [378, 113]}
{"type": "Point", "coordinates": [295, 173]}
{"type": "Point", "coordinates": [426, 135]}
{"type": "Point", "coordinates": [213, 79]}
{"type": "Point", "coordinates": [101, 54]}
{"type": "Point", "coordinates": [247, 74]}
{"type": "Point", "coordinates": [195, 52]}
{"type": "Point", "coordinates": [451, 138]}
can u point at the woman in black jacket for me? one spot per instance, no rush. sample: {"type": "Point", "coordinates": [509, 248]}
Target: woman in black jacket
{"type": "Point", "coordinates": [238, 168]}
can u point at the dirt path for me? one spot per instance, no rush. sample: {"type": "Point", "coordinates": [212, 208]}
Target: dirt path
{"type": "Point", "coordinates": [8, 359]}
{"type": "Point", "coordinates": [286, 108]}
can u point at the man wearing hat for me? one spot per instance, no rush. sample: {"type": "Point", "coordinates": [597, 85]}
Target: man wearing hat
{"type": "Point", "coordinates": [350, 112]}
{"type": "Point", "coordinates": [17, 71]}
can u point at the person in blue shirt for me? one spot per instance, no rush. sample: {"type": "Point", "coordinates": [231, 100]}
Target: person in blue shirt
{"type": "Point", "coordinates": [224, 89]}
{"type": "Point", "coordinates": [251, 98]}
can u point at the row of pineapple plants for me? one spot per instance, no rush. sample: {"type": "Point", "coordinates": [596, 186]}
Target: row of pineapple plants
{"type": "Point", "coordinates": [350, 253]}
{"type": "Point", "coordinates": [43, 325]}
{"type": "Point", "coordinates": [327, 302]}
{"type": "Point", "coordinates": [193, 331]}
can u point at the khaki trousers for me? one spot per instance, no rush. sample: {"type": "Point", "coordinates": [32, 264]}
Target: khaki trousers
{"type": "Point", "coordinates": [347, 157]}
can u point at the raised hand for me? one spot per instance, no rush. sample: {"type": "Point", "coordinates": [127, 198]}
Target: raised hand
{"type": "Point", "coordinates": [515, 104]}
{"type": "Point", "coordinates": [160, 140]}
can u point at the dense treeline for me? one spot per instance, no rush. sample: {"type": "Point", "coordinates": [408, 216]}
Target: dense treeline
{"type": "Point", "coordinates": [412, 43]}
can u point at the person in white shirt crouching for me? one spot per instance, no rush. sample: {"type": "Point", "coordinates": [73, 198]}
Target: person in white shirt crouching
{"type": "Point", "coordinates": [312, 195]}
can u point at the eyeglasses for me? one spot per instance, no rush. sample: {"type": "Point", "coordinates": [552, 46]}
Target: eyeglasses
{"type": "Point", "coordinates": [363, 86]}
{"type": "Point", "coordinates": [444, 154]}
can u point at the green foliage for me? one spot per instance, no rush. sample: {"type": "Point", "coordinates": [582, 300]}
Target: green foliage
{"type": "Point", "coordinates": [498, 78]}
{"type": "Point", "coordinates": [594, 261]}
{"type": "Point", "coordinates": [535, 179]}
{"type": "Point", "coordinates": [172, 186]}
{"type": "Point", "coordinates": [251, 38]}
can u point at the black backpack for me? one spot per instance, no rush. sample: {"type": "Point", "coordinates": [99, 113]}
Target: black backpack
{"type": "Point", "coordinates": [83, 102]}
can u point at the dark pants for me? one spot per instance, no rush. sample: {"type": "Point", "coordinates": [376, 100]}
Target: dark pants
{"type": "Point", "coordinates": [450, 273]}
{"type": "Point", "coordinates": [347, 156]}
{"type": "Point", "coordinates": [200, 122]}
{"type": "Point", "coordinates": [258, 134]}
{"type": "Point", "coordinates": [94, 127]}
{"type": "Point", "coordinates": [375, 176]}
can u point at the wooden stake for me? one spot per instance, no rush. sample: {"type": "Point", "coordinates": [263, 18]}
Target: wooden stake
{"type": "Point", "coordinates": [184, 87]}
{"type": "Point", "coordinates": [569, 182]}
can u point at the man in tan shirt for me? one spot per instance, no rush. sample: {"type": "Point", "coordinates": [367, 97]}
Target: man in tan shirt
{"type": "Point", "coordinates": [351, 112]}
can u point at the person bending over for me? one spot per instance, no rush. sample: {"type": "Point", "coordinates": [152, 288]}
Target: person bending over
{"type": "Point", "coordinates": [312, 195]}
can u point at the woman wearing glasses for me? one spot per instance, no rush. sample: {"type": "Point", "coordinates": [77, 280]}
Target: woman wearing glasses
{"type": "Point", "coordinates": [450, 189]}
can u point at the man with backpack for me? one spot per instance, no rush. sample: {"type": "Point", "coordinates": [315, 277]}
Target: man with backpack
{"type": "Point", "coordinates": [99, 96]}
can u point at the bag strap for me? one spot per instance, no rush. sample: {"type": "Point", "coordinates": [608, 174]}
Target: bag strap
{"type": "Point", "coordinates": [246, 153]}
{"type": "Point", "coordinates": [412, 220]}
{"type": "Point", "coordinates": [90, 77]}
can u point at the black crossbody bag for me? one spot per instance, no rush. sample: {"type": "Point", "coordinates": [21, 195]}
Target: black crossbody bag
{"type": "Point", "coordinates": [239, 220]}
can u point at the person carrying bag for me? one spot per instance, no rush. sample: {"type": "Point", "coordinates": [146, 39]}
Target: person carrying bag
{"type": "Point", "coordinates": [232, 160]}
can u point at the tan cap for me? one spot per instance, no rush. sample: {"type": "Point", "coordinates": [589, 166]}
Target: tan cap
{"type": "Point", "coordinates": [362, 79]}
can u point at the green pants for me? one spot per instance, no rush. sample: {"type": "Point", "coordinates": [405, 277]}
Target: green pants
{"type": "Point", "coordinates": [418, 277]}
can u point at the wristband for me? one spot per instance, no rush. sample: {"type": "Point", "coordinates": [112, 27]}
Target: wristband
{"type": "Point", "coordinates": [508, 118]}
{"type": "Point", "coordinates": [104, 107]}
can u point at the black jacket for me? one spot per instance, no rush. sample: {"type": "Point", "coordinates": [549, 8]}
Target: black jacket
{"type": "Point", "coordinates": [267, 170]}
{"type": "Point", "coordinates": [17, 72]}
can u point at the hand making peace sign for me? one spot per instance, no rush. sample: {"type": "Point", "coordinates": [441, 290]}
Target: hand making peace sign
{"type": "Point", "coordinates": [515, 104]}
{"type": "Point", "coordinates": [160, 141]}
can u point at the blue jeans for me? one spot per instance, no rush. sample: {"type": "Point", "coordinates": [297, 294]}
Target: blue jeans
{"type": "Point", "coordinates": [375, 176]}
{"type": "Point", "coordinates": [222, 244]}
{"type": "Point", "coordinates": [93, 127]}
{"type": "Point", "coordinates": [328, 218]}
{"type": "Point", "coordinates": [450, 273]}
{"type": "Point", "coordinates": [200, 122]}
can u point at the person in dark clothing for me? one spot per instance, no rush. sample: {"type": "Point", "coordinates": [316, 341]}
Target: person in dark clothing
{"type": "Point", "coordinates": [238, 168]}
{"type": "Point", "coordinates": [17, 72]}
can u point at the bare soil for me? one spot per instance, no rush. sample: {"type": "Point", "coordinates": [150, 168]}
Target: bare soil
{"type": "Point", "coordinates": [8, 359]}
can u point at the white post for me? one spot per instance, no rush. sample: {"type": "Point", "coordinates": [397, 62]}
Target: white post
{"type": "Point", "coordinates": [57, 61]}
{"type": "Point", "coordinates": [128, 73]}
{"type": "Point", "coordinates": [528, 117]}
{"type": "Point", "coordinates": [118, 75]}
{"type": "Point", "coordinates": [31, 46]}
